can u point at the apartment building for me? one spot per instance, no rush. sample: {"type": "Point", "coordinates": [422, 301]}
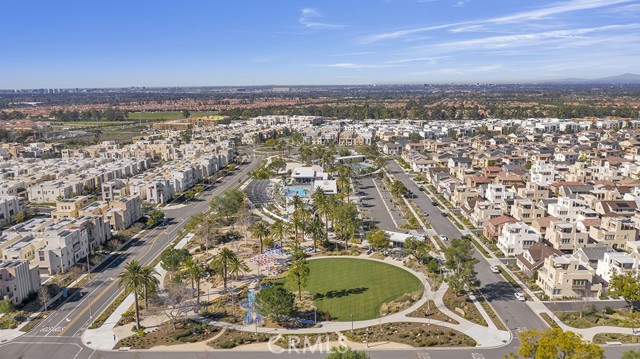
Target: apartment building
{"type": "Point", "coordinates": [562, 277]}
{"type": "Point", "coordinates": [124, 212]}
{"type": "Point", "coordinates": [18, 280]}
{"type": "Point", "coordinates": [63, 248]}
{"type": "Point", "coordinates": [159, 191]}
{"type": "Point", "coordinates": [614, 231]}
{"type": "Point", "coordinates": [50, 192]}
{"type": "Point", "coordinates": [564, 236]}
{"type": "Point", "coordinates": [516, 238]}
{"type": "Point", "coordinates": [9, 207]}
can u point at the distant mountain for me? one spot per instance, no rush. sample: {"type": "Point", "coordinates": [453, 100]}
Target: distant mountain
{"type": "Point", "coordinates": [620, 79]}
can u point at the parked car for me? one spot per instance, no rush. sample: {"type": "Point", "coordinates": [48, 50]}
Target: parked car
{"type": "Point", "coordinates": [443, 238]}
{"type": "Point", "coordinates": [494, 269]}
{"type": "Point", "coordinates": [520, 296]}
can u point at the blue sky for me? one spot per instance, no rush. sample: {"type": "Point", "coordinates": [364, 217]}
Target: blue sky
{"type": "Point", "coordinates": [51, 44]}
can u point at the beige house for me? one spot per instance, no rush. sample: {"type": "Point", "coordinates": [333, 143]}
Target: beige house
{"type": "Point", "coordinates": [69, 208]}
{"type": "Point", "coordinates": [614, 231]}
{"type": "Point", "coordinates": [525, 210]}
{"type": "Point", "coordinates": [564, 277]}
{"type": "Point", "coordinates": [564, 236]}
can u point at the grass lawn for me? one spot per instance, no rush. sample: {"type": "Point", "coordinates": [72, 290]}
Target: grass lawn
{"type": "Point", "coordinates": [345, 286]}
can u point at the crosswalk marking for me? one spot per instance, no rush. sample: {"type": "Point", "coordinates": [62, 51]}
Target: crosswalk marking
{"type": "Point", "coordinates": [477, 356]}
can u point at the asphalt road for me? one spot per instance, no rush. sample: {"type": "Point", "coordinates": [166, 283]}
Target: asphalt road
{"type": "Point", "coordinates": [30, 347]}
{"type": "Point", "coordinates": [76, 314]}
{"type": "Point", "coordinates": [517, 315]}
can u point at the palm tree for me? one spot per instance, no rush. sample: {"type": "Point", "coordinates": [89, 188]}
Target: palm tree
{"type": "Point", "coordinates": [301, 219]}
{"type": "Point", "coordinates": [237, 266]}
{"type": "Point", "coordinates": [133, 278]}
{"type": "Point", "coordinates": [297, 202]}
{"type": "Point", "coordinates": [192, 269]}
{"type": "Point", "coordinates": [150, 285]}
{"type": "Point", "coordinates": [222, 263]}
{"type": "Point", "coordinates": [278, 230]}
{"type": "Point", "coordinates": [316, 230]}
{"type": "Point", "coordinates": [260, 231]}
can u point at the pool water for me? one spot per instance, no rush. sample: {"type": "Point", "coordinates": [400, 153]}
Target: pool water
{"type": "Point", "coordinates": [301, 192]}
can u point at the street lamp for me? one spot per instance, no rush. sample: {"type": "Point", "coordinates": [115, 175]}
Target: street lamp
{"type": "Point", "coordinates": [352, 322]}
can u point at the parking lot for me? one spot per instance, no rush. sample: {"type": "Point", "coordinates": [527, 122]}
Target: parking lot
{"type": "Point", "coordinates": [258, 192]}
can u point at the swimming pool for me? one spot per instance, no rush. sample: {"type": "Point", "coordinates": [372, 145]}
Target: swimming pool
{"type": "Point", "coordinates": [360, 166]}
{"type": "Point", "coordinates": [301, 192]}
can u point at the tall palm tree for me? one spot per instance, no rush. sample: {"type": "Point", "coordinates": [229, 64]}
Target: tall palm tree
{"type": "Point", "coordinates": [260, 231]}
{"type": "Point", "coordinates": [222, 263]}
{"type": "Point", "coordinates": [278, 230]}
{"type": "Point", "coordinates": [193, 270]}
{"type": "Point", "coordinates": [300, 218]}
{"type": "Point", "coordinates": [133, 278]}
{"type": "Point", "coordinates": [151, 284]}
{"type": "Point", "coordinates": [316, 230]}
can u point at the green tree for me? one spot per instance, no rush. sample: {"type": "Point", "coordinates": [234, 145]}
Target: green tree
{"type": "Point", "coordinates": [221, 264]}
{"type": "Point", "coordinates": [6, 307]}
{"type": "Point", "coordinates": [626, 286]}
{"type": "Point", "coordinates": [418, 249]}
{"type": "Point", "coordinates": [378, 238]}
{"type": "Point", "coordinates": [346, 222]}
{"type": "Point", "coordinates": [555, 343]}
{"type": "Point", "coordinates": [348, 354]}
{"type": "Point", "coordinates": [299, 270]}
{"type": "Point", "coordinates": [460, 262]}
{"type": "Point", "coordinates": [228, 204]}
{"type": "Point", "coordinates": [155, 217]}
{"type": "Point", "coordinates": [133, 278]}
{"type": "Point", "coordinates": [172, 259]}
{"type": "Point", "coordinates": [260, 231]}
{"type": "Point", "coordinates": [275, 302]}
{"type": "Point", "coordinates": [19, 217]}
{"type": "Point", "coordinates": [192, 269]}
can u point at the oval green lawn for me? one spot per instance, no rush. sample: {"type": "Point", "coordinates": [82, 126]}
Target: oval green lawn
{"type": "Point", "coordinates": [345, 286]}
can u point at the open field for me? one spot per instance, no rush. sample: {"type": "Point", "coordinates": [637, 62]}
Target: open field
{"type": "Point", "coordinates": [346, 286]}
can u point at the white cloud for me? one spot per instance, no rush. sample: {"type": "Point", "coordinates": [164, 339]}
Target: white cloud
{"type": "Point", "coordinates": [577, 37]}
{"type": "Point", "coordinates": [307, 17]}
{"type": "Point", "coordinates": [352, 54]}
{"type": "Point", "coordinates": [432, 60]}
{"type": "Point", "coordinates": [519, 17]}
{"type": "Point", "coordinates": [350, 65]}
